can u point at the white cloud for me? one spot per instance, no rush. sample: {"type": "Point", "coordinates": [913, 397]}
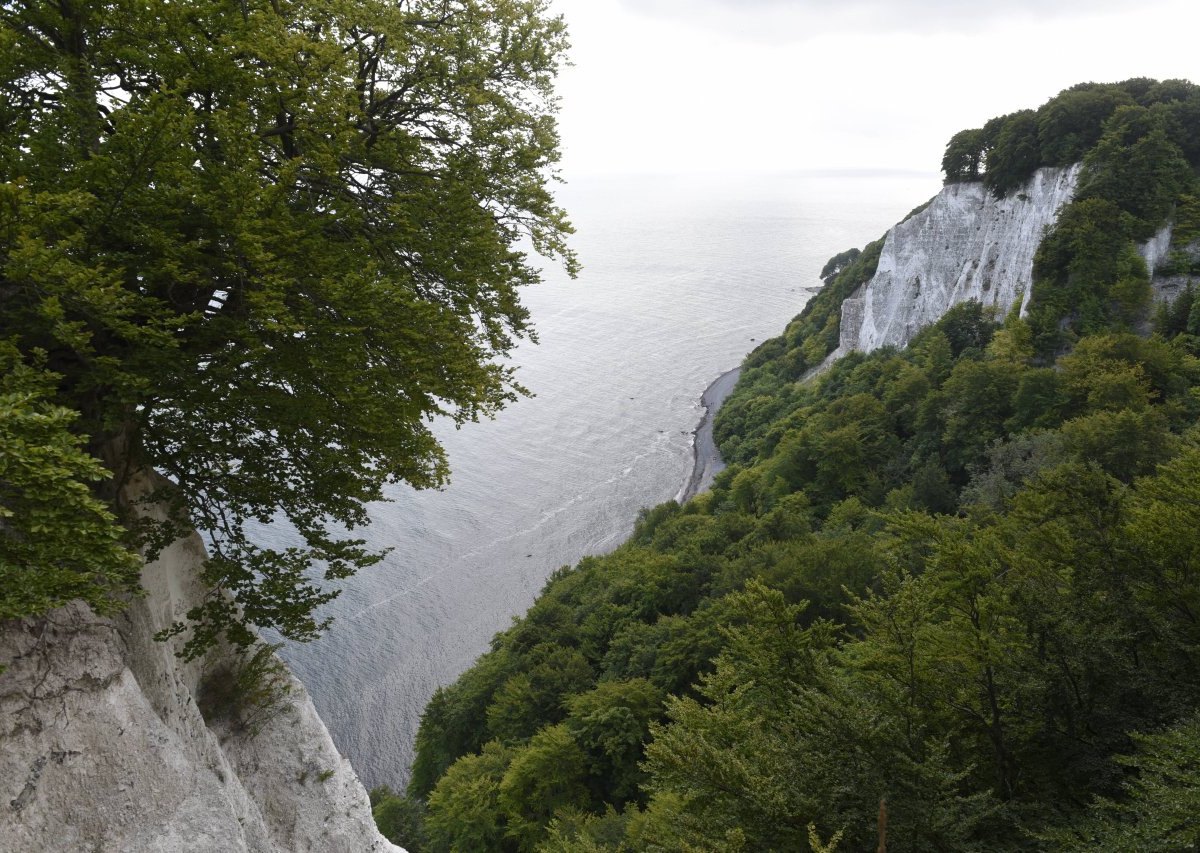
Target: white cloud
{"type": "Point", "coordinates": [777, 21]}
{"type": "Point", "coordinates": [664, 89]}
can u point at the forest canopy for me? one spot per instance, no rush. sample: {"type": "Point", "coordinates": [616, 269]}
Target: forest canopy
{"type": "Point", "coordinates": [1006, 151]}
{"type": "Point", "coordinates": [257, 247]}
{"type": "Point", "coordinates": [946, 596]}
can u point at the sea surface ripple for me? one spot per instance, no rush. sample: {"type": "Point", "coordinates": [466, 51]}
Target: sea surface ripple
{"type": "Point", "coordinates": [682, 277]}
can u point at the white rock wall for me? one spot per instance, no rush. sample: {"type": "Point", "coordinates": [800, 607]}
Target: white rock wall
{"type": "Point", "coordinates": [966, 245]}
{"type": "Point", "coordinates": [1167, 288]}
{"type": "Point", "coordinates": [1156, 249]}
{"type": "Point", "coordinates": [103, 747]}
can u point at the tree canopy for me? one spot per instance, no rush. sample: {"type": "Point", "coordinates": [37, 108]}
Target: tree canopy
{"type": "Point", "coordinates": [1006, 151]}
{"type": "Point", "coordinates": [258, 246]}
{"type": "Point", "coordinates": [942, 598]}
{"type": "Point", "coordinates": [949, 577]}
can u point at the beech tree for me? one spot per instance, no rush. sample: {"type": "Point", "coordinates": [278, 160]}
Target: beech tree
{"type": "Point", "coordinates": [1012, 151]}
{"type": "Point", "coordinates": [261, 245]}
{"type": "Point", "coordinates": [964, 156]}
{"type": "Point", "coordinates": [49, 518]}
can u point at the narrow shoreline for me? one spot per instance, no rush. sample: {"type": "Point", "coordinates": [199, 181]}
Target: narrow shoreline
{"type": "Point", "coordinates": [706, 458]}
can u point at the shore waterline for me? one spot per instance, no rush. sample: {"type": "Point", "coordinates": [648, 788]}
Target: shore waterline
{"type": "Point", "coordinates": [706, 457]}
{"type": "Point", "coordinates": [681, 278]}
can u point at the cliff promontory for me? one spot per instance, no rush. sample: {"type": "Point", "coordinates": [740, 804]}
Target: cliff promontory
{"type": "Point", "coordinates": [257, 248]}
{"type": "Point", "coordinates": [112, 743]}
{"type": "Point", "coordinates": [966, 245]}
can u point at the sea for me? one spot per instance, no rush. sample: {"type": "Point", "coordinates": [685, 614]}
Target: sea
{"type": "Point", "coordinates": [682, 277]}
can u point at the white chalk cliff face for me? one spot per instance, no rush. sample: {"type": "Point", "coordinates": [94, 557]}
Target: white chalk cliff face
{"type": "Point", "coordinates": [103, 746]}
{"type": "Point", "coordinates": [966, 245]}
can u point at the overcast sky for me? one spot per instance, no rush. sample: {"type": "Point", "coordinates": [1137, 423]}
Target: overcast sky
{"type": "Point", "coordinates": [783, 85]}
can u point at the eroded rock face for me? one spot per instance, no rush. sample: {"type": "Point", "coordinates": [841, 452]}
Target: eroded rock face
{"type": "Point", "coordinates": [1156, 252]}
{"type": "Point", "coordinates": [103, 746]}
{"type": "Point", "coordinates": [966, 245]}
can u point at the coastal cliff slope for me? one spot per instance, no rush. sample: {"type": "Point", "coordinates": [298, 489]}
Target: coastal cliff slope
{"type": "Point", "coordinates": [965, 245]}
{"type": "Point", "coordinates": [106, 746]}
{"type": "Point", "coordinates": [958, 527]}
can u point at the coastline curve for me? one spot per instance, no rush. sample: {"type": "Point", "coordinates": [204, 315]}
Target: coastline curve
{"type": "Point", "coordinates": [706, 458]}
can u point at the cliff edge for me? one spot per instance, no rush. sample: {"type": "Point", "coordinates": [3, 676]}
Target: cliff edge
{"type": "Point", "coordinates": [106, 748]}
{"type": "Point", "coordinates": [968, 245]}
{"type": "Point", "coordinates": [965, 245]}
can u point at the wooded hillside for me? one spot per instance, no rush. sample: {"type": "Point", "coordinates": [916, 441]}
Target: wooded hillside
{"type": "Point", "coordinates": [949, 594]}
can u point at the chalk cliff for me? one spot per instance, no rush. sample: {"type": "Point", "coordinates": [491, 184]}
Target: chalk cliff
{"type": "Point", "coordinates": [965, 245]}
{"type": "Point", "coordinates": [104, 746]}
{"type": "Point", "coordinates": [1156, 252]}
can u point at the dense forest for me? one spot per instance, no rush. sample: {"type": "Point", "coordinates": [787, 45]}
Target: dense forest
{"type": "Point", "coordinates": [943, 598]}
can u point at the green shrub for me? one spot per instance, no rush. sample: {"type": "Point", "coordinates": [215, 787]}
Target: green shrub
{"type": "Point", "coordinates": [248, 693]}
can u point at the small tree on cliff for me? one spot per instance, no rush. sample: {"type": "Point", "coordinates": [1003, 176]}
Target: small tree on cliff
{"type": "Point", "coordinates": [262, 244]}
{"type": "Point", "coordinates": [964, 156]}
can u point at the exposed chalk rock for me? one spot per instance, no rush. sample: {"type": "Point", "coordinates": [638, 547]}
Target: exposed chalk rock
{"type": "Point", "coordinates": [966, 245]}
{"type": "Point", "coordinates": [1169, 286]}
{"type": "Point", "coordinates": [103, 746]}
{"type": "Point", "coordinates": [1154, 252]}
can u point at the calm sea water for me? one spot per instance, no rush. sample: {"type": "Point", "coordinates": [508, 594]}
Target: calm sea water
{"type": "Point", "coordinates": [682, 276]}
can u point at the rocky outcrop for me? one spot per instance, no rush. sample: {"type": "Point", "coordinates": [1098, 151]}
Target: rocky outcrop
{"type": "Point", "coordinates": [103, 745]}
{"type": "Point", "coordinates": [968, 245]}
{"type": "Point", "coordinates": [1166, 280]}
{"type": "Point", "coordinates": [965, 245]}
{"type": "Point", "coordinates": [1156, 250]}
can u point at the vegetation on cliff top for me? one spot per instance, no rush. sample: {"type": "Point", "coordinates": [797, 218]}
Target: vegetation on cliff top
{"type": "Point", "coordinates": [953, 589]}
